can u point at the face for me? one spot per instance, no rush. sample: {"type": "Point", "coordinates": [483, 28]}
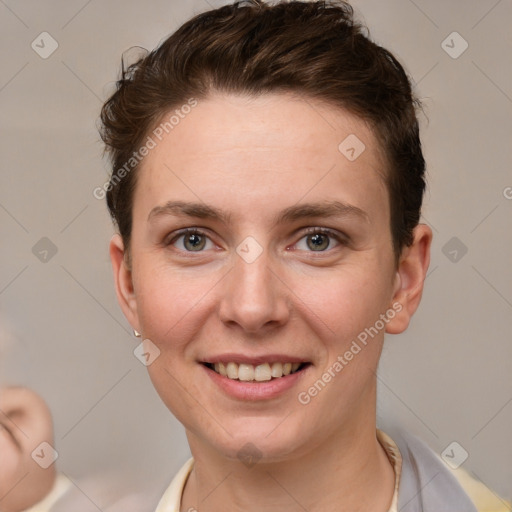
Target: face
{"type": "Point", "coordinates": [258, 243]}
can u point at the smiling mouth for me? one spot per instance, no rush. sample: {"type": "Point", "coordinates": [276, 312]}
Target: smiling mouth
{"type": "Point", "coordinates": [256, 373]}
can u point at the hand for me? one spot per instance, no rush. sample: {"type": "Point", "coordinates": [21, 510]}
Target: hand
{"type": "Point", "coordinates": [25, 422]}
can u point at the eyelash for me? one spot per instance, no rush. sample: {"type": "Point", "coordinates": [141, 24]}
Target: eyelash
{"type": "Point", "coordinates": [309, 231]}
{"type": "Point", "coordinates": [325, 231]}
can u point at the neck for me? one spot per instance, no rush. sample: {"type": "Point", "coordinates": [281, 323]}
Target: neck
{"type": "Point", "coordinates": [347, 472]}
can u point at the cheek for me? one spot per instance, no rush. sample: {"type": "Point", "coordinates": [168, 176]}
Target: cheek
{"type": "Point", "coordinates": [344, 302]}
{"type": "Point", "coordinates": [169, 301]}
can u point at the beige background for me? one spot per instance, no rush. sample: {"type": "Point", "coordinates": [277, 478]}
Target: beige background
{"type": "Point", "coordinates": [447, 378]}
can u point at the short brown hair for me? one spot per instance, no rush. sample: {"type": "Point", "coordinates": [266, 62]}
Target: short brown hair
{"type": "Point", "coordinates": [315, 49]}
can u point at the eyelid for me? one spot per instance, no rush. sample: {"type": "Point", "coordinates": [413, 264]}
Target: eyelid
{"type": "Point", "coordinates": [175, 235]}
{"type": "Point", "coordinates": [341, 238]}
{"type": "Point", "coordinates": [184, 231]}
{"type": "Point", "coordinates": [325, 231]}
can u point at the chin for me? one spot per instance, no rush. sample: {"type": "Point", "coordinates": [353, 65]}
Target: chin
{"type": "Point", "coordinates": [263, 439]}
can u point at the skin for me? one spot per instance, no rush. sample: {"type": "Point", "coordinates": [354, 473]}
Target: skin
{"type": "Point", "coordinates": [25, 422]}
{"type": "Point", "coordinates": [253, 158]}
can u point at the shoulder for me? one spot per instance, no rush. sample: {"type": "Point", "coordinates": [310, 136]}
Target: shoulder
{"type": "Point", "coordinates": [426, 482]}
{"type": "Point", "coordinates": [430, 483]}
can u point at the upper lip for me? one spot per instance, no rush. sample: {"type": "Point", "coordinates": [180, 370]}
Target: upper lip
{"type": "Point", "coordinates": [254, 360]}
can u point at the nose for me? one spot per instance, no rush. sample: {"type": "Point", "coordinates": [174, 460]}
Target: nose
{"type": "Point", "coordinates": [254, 297]}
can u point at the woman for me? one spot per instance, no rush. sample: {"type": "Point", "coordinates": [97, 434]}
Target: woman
{"type": "Point", "coordinates": [267, 184]}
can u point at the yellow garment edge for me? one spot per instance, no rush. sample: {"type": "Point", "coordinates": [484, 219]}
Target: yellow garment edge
{"type": "Point", "coordinates": [483, 498]}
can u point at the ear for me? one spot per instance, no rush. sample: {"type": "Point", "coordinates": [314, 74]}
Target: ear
{"type": "Point", "coordinates": [123, 281]}
{"type": "Point", "coordinates": [409, 279]}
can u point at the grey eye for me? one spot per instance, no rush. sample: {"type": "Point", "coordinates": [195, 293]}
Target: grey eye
{"type": "Point", "coordinates": [318, 241]}
{"type": "Point", "coordinates": [194, 242]}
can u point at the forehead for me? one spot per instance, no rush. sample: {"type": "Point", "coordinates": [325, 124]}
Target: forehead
{"type": "Point", "coordinates": [264, 152]}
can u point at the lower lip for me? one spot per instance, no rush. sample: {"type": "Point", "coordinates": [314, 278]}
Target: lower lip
{"type": "Point", "coordinates": [255, 390]}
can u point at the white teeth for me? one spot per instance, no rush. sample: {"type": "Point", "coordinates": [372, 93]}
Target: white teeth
{"type": "Point", "coordinates": [277, 370]}
{"type": "Point", "coordinates": [245, 372]}
{"type": "Point", "coordinates": [260, 373]}
{"type": "Point", "coordinates": [232, 370]}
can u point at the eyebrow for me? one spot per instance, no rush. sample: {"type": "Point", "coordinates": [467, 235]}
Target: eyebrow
{"type": "Point", "coordinates": [325, 209]}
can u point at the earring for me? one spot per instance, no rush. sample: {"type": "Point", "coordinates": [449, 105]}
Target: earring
{"type": "Point", "coordinates": [137, 334]}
